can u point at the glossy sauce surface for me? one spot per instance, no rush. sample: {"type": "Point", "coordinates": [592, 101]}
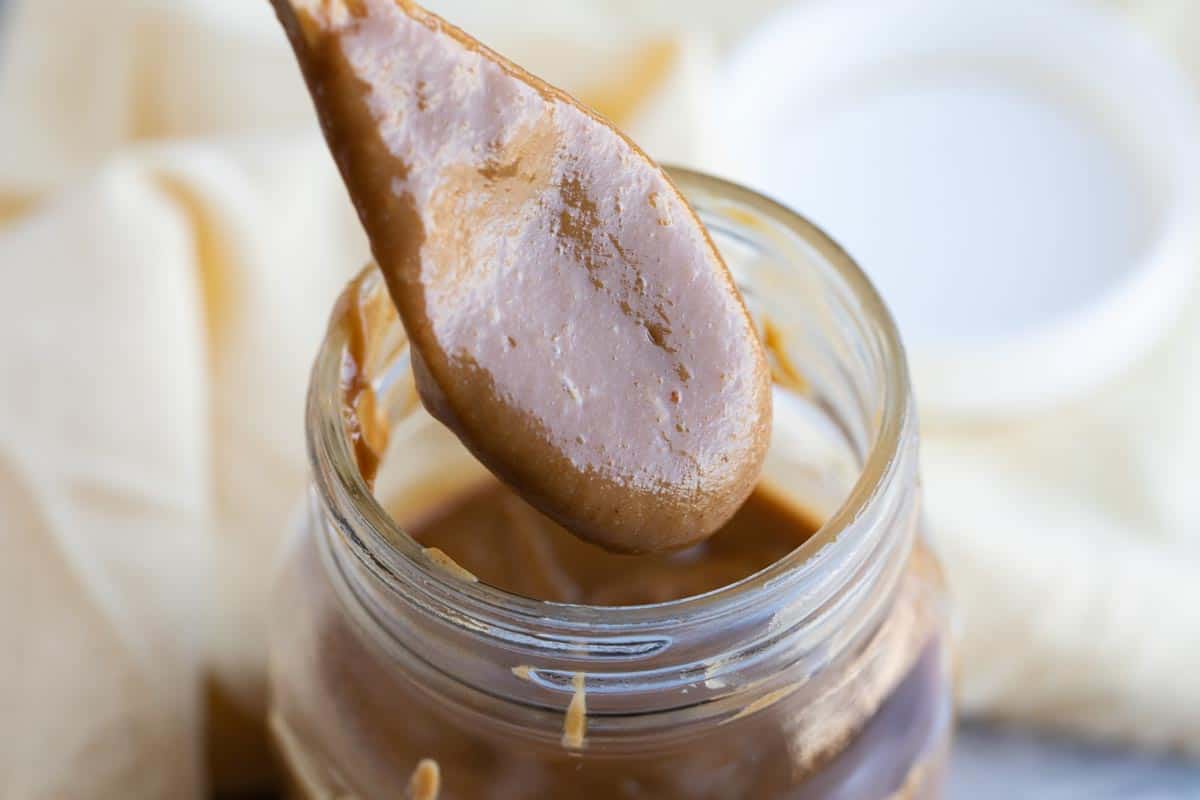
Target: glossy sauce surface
{"type": "Point", "coordinates": [502, 540]}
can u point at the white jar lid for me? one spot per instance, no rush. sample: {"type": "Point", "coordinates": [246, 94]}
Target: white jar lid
{"type": "Point", "coordinates": [1019, 179]}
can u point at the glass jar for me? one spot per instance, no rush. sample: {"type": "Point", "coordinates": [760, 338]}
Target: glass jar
{"type": "Point", "coordinates": [824, 675]}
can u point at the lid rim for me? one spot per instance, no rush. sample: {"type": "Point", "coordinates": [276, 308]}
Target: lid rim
{"type": "Point", "coordinates": [1096, 336]}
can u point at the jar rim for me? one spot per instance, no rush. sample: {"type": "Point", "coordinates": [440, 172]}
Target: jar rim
{"type": "Point", "coordinates": [389, 549]}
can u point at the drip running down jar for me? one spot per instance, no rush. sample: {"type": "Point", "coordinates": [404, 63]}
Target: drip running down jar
{"type": "Point", "coordinates": [823, 674]}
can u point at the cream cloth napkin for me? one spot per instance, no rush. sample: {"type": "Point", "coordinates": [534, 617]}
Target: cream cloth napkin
{"type": "Point", "coordinates": [173, 234]}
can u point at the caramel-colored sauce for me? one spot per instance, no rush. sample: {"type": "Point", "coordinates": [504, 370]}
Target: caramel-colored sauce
{"type": "Point", "coordinates": [569, 317]}
{"type": "Point", "coordinates": [489, 531]}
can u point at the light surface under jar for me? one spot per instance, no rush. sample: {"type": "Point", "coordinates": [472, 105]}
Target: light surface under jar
{"type": "Point", "coordinates": [825, 675]}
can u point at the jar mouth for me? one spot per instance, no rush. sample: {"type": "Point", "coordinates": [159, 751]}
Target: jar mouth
{"type": "Point", "coordinates": [388, 550]}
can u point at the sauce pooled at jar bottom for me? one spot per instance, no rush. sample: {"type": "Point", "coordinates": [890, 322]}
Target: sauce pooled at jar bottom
{"type": "Point", "coordinates": [876, 732]}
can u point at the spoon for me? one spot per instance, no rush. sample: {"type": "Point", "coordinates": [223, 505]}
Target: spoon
{"type": "Point", "coordinates": [569, 317]}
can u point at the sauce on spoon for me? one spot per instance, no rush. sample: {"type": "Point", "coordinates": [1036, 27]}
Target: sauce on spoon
{"type": "Point", "coordinates": [569, 317]}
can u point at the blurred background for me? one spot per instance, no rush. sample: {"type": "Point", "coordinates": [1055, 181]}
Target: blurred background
{"type": "Point", "coordinates": [1018, 178]}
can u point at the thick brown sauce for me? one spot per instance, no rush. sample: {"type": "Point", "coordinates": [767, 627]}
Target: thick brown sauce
{"type": "Point", "coordinates": [494, 534]}
{"type": "Point", "coordinates": [569, 317]}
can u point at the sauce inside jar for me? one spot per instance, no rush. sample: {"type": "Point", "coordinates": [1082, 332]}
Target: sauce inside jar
{"type": "Point", "coordinates": [488, 530]}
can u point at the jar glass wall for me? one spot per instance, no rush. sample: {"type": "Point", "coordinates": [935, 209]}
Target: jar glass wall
{"type": "Point", "coordinates": [824, 675]}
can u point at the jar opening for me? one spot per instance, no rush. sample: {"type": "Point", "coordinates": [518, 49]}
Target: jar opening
{"type": "Point", "coordinates": [348, 495]}
{"type": "Point", "coordinates": [820, 602]}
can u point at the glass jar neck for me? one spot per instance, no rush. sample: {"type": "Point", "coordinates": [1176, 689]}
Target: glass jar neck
{"type": "Point", "coordinates": [658, 667]}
